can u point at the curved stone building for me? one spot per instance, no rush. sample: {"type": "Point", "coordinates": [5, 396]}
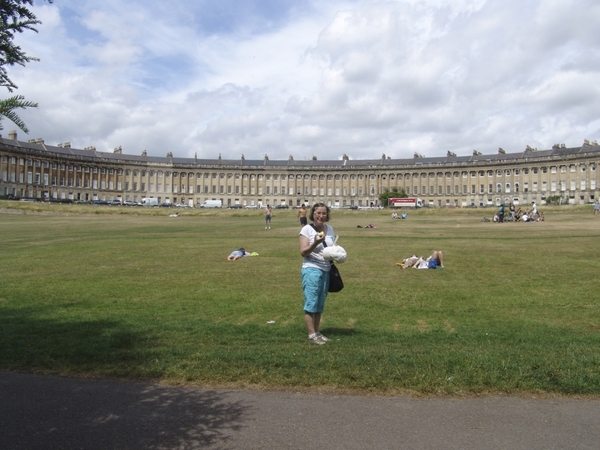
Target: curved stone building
{"type": "Point", "coordinates": [34, 169]}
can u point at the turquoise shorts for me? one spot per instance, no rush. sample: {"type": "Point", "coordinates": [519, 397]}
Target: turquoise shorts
{"type": "Point", "coordinates": [315, 283]}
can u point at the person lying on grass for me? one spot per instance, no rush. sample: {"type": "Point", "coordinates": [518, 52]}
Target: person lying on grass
{"type": "Point", "coordinates": [237, 254]}
{"type": "Point", "coordinates": [436, 260]}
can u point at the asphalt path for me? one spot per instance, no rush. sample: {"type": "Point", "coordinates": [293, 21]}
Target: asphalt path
{"type": "Point", "coordinates": [62, 413]}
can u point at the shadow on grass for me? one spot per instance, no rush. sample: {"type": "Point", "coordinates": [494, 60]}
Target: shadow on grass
{"type": "Point", "coordinates": [50, 412]}
{"type": "Point", "coordinates": [339, 332]}
{"type": "Point", "coordinates": [40, 340]}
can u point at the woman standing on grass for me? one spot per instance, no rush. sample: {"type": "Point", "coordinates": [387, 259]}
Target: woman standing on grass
{"type": "Point", "coordinates": [315, 269]}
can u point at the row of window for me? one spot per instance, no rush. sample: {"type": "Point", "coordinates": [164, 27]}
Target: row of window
{"type": "Point", "coordinates": [560, 185]}
{"type": "Point", "coordinates": [176, 188]}
{"type": "Point", "coordinates": [94, 169]}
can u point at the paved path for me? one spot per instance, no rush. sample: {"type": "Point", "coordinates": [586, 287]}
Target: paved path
{"type": "Point", "coordinates": [59, 413]}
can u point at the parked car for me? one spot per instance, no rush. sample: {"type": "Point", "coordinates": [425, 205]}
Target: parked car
{"type": "Point", "coordinates": [352, 207]}
{"type": "Point", "coordinates": [99, 202]}
{"type": "Point", "coordinates": [251, 207]}
{"type": "Point", "coordinates": [165, 205]}
{"type": "Point", "coordinates": [114, 202]}
{"type": "Point", "coordinates": [129, 203]}
{"type": "Point", "coordinates": [282, 206]}
{"type": "Point", "coordinates": [182, 205]}
{"type": "Point", "coordinates": [234, 207]}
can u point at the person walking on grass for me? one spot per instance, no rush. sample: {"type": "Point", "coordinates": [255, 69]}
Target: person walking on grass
{"type": "Point", "coordinates": [315, 269]}
{"type": "Point", "coordinates": [596, 207]}
{"type": "Point", "coordinates": [268, 214]}
{"type": "Point", "coordinates": [302, 212]}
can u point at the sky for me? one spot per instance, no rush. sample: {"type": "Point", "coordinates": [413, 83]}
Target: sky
{"type": "Point", "coordinates": [312, 78]}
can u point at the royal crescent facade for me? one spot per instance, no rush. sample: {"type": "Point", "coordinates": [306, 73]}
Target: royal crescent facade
{"type": "Point", "coordinates": [34, 169]}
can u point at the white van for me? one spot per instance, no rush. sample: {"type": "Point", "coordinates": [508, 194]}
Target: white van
{"type": "Point", "coordinates": [212, 204]}
{"type": "Point", "coordinates": [147, 201]}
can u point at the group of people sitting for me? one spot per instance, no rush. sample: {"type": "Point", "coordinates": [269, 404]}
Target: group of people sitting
{"type": "Point", "coordinates": [435, 261]}
{"type": "Point", "coordinates": [401, 216]}
{"type": "Point", "coordinates": [519, 215]}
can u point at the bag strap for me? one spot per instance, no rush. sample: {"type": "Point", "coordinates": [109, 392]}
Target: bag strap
{"type": "Point", "coordinates": [315, 228]}
{"type": "Point", "coordinates": [324, 243]}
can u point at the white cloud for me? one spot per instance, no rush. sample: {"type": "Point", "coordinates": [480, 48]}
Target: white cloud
{"type": "Point", "coordinates": [305, 78]}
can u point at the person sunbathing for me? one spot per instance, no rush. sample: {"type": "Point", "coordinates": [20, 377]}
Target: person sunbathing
{"type": "Point", "coordinates": [237, 254]}
{"type": "Point", "coordinates": [436, 260]}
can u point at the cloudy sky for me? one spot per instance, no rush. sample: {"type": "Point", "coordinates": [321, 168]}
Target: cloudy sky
{"type": "Point", "coordinates": [312, 77]}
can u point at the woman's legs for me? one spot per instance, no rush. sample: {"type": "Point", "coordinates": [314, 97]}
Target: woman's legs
{"type": "Point", "coordinates": [312, 320]}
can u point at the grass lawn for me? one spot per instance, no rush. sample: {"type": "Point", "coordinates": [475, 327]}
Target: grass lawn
{"type": "Point", "coordinates": [131, 293]}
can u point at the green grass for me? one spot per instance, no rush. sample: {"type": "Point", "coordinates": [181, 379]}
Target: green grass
{"type": "Point", "coordinates": [138, 295]}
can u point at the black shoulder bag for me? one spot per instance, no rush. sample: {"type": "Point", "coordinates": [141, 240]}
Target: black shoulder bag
{"type": "Point", "coordinates": [335, 279]}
